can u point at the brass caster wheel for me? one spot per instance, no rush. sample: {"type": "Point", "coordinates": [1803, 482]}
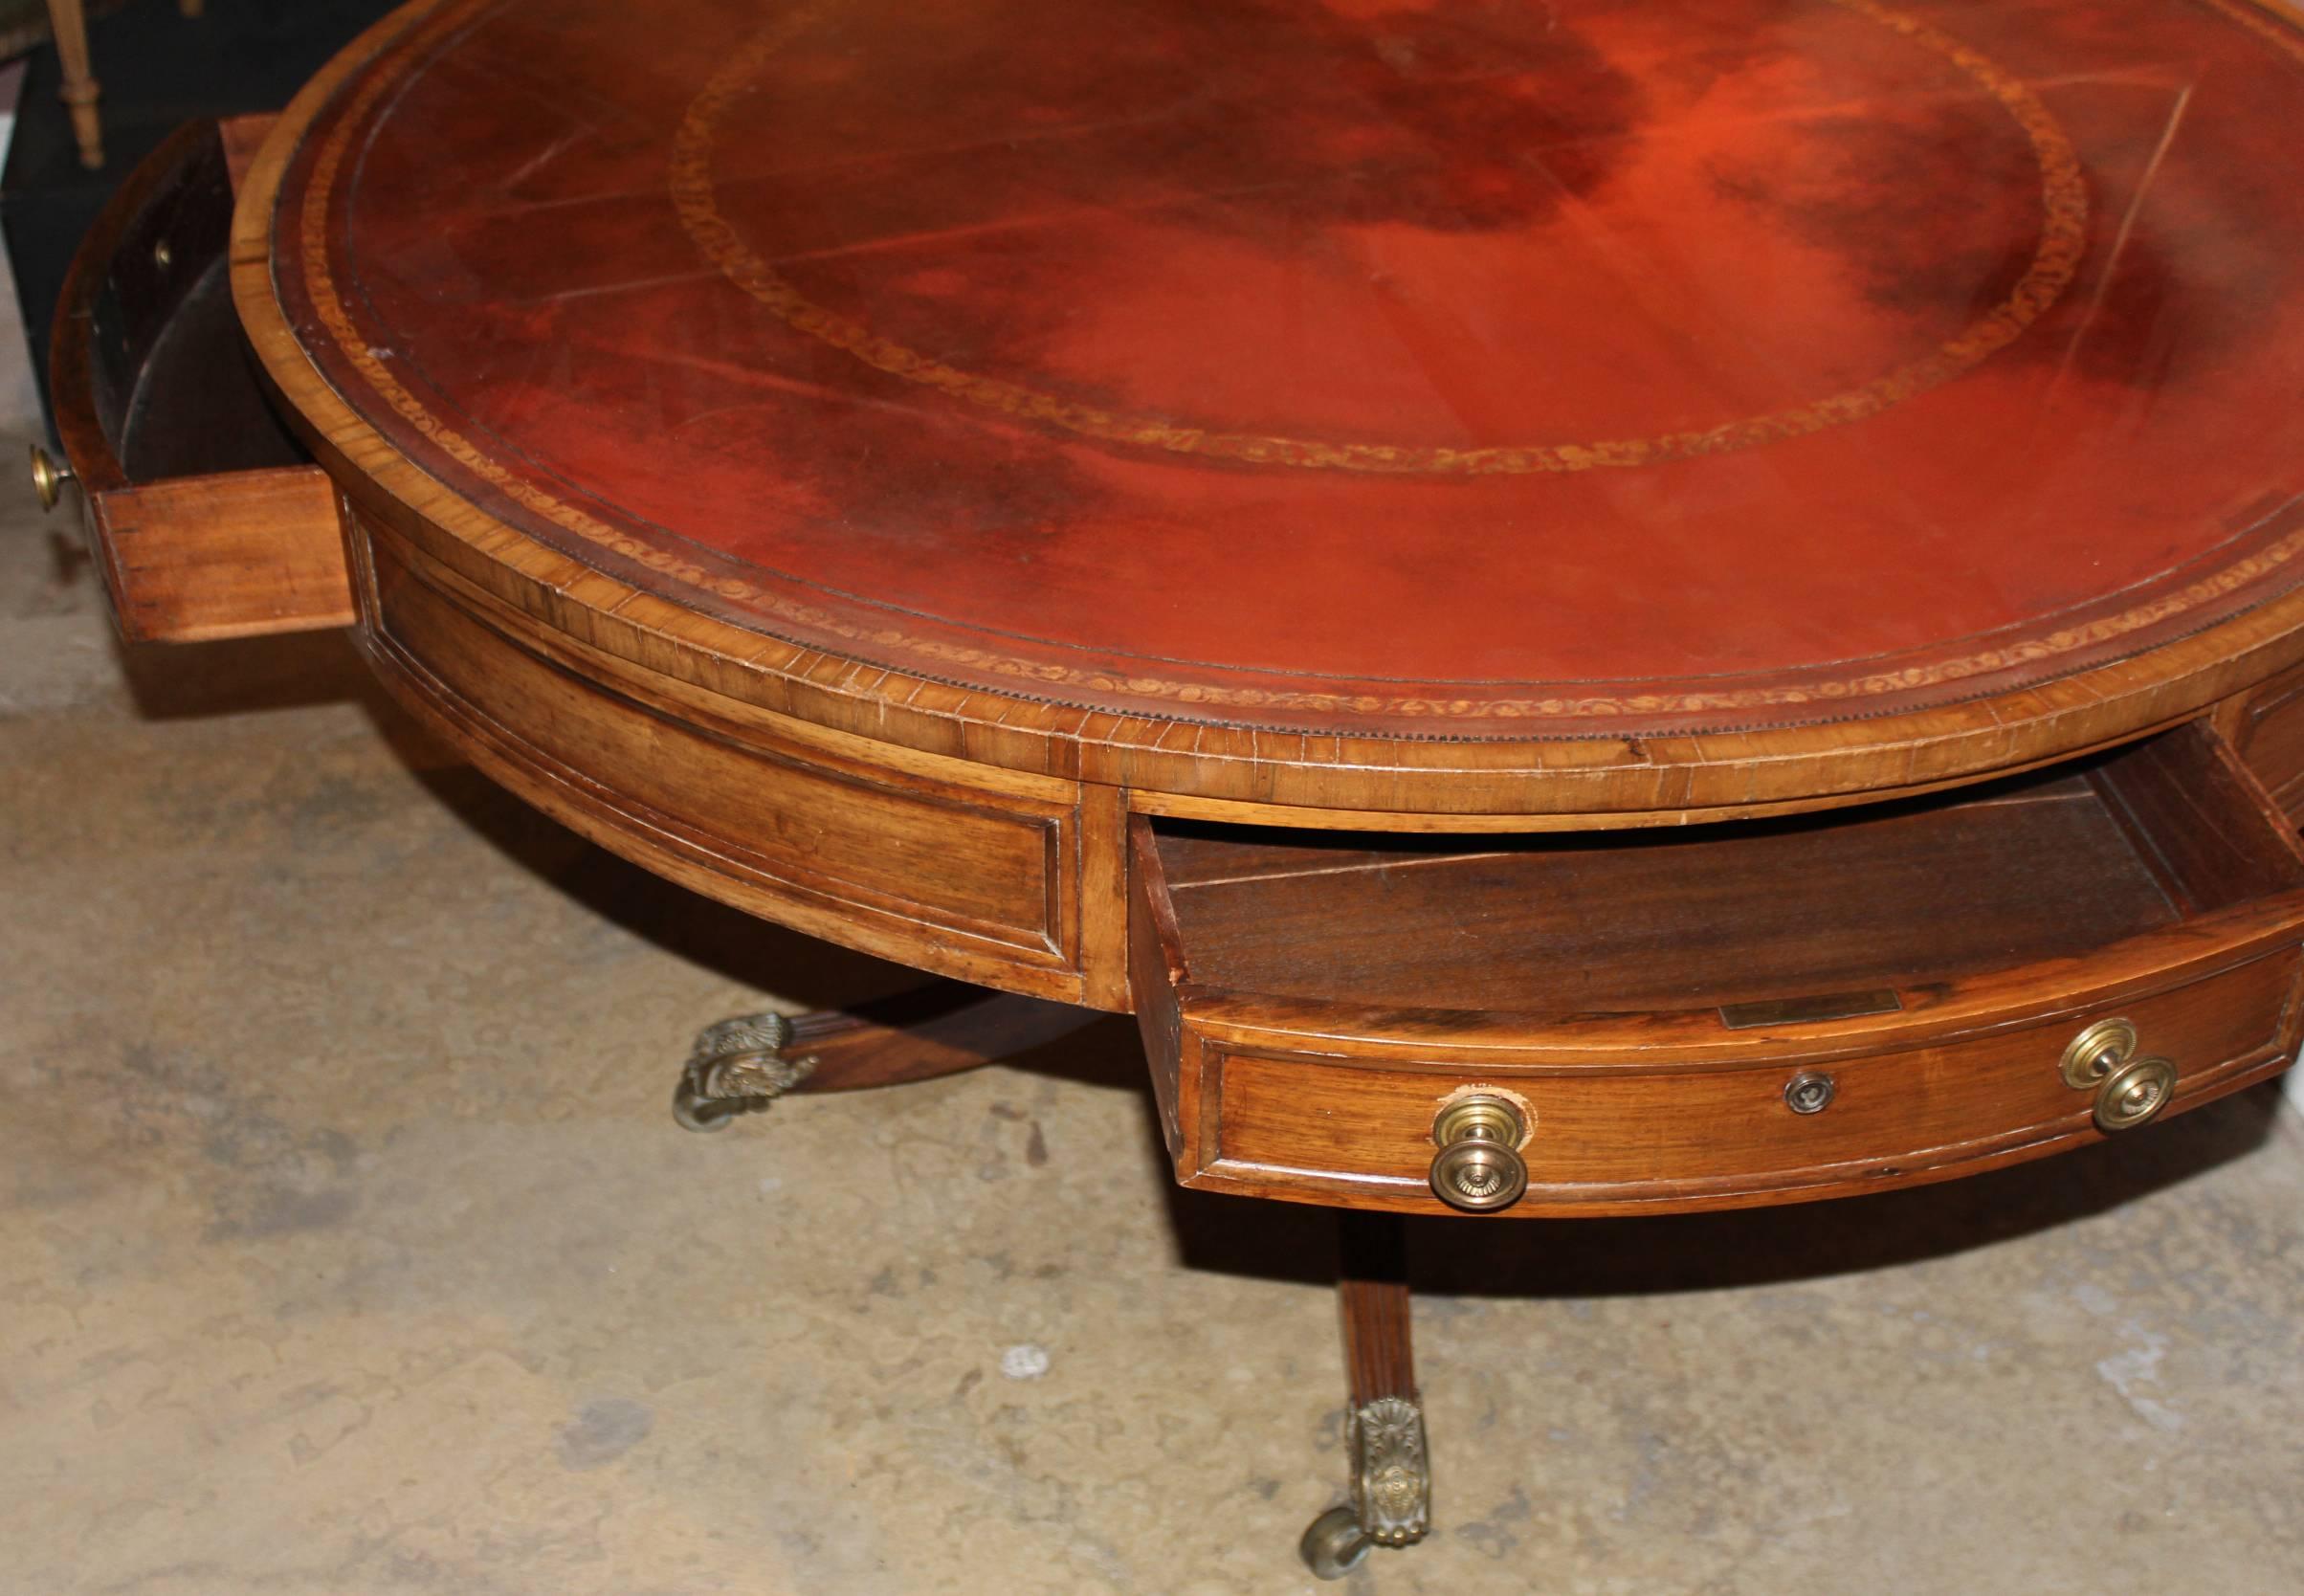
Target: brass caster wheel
{"type": "Point", "coordinates": [693, 1111]}
{"type": "Point", "coordinates": [1335, 1544]}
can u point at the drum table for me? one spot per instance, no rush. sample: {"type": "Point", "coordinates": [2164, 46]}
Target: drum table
{"type": "Point", "coordinates": [1606, 608]}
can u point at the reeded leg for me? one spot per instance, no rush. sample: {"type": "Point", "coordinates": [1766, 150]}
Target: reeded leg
{"type": "Point", "coordinates": [1391, 1480]}
{"type": "Point", "coordinates": [80, 88]}
{"type": "Point", "coordinates": [742, 1065]}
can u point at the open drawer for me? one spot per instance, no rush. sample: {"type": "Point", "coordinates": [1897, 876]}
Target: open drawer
{"type": "Point", "coordinates": [206, 516]}
{"type": "Point", "coordinates": [1720, 1016]}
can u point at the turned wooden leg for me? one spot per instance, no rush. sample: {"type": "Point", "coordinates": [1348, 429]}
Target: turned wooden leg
{"type": "Point", "coordinates": [70, 24]}
{"type": "Point", "coordinates": [744, 1064]}
{"type": "Point", "coordinates": [1391, 1482]}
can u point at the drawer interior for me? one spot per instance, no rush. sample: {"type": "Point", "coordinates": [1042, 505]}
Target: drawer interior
{"type": "Point", "coordinates": [170, 380]}
{"type": "Point", "coordinates": [1815, 916]}
{"type": "Point", "coordinates": [204, 514]}
{"type": "Point", "coordinates": [2267, 731]}
{"type": "Point", "coordinates": [194, 404]}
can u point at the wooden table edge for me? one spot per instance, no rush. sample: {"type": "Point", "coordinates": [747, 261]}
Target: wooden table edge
{"type": "Point", "coordinates": [1189, 768]}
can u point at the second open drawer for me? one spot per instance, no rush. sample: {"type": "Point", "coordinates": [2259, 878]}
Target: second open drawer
{"type": "Point", "coordinates": [206, 515]}
{"type": "Point", "coordinates": [1662, 1010]}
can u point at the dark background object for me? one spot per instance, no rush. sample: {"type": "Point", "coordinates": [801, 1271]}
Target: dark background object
{"type": "Point", "coordinates": [159, 69]}
{"type": "Point", "coordinates": [25, 23]}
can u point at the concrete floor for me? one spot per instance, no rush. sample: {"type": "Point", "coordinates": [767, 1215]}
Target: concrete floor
{"type": "Point", "coordinates": [346, 1247]}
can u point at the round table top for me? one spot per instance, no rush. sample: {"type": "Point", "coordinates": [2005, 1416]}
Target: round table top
{"type": "Point", "coordinates": [1461, 370]}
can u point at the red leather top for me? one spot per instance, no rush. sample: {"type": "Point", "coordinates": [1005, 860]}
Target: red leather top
{"type": "Point", "coordinates": [1471, 368]}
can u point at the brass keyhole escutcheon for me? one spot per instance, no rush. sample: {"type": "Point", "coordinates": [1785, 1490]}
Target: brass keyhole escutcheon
{"type": "Point", "coordinates": [2128, 1090]}
{"type": "Point", "coordinates": [1479, 1167]}
{"type": "Point", "coordinates": [1809, 1091]}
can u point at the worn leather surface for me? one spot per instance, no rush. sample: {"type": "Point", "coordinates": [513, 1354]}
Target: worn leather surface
{"type": "Point", "coordinates": [1467, 370]}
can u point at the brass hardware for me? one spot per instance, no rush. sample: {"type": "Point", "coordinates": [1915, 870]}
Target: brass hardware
{"type": "Point", "coordinates": [1809, 1091]}
{"type": "Point", "coordinates": [1478, 1167]}
{"type": "Point", "coordinates": [1803, 1010]}
{"type": "Point", "coordinates": [2097, 1052]}
{"type": "Point", "coordinates": [161, 255]}
{"type": "Point", "coordinates": [49, 475]}
{"type": "Point", "coordinates": [736, 1067]}
{"type": "Point", "coordinates": [2134, 1093]}
{"type": "Point", "coordinates": [2128, 1090]}
{"type": "Point", "coordinates": [1335, 1544]}
{"type": "Point", "coordinates": [1391, 1488]}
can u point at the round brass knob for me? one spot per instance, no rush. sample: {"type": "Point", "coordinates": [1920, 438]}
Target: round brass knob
{"type": "Point", "coordinates": [2097, 1052]}
{"type": "Point", "coordinates": [1478, 1167]}
{"type": "Point", "coordinates": [48, 477]}
{"type": "Point", "coordinates": [2134, 1093]}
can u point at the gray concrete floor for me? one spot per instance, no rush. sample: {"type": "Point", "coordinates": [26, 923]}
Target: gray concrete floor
{"type": "Point", "coordinates": [346, 1247]}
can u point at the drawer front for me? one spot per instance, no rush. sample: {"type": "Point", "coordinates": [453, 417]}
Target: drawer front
{"type": "Point", "coordinates": [960, 880]}
{"type": "Point", "coordinates": [1315, 1129]}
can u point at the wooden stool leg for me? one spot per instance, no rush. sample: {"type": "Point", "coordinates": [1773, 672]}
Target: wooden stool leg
{"type": "Point", "coordinates": [1391, 1478]}
{"type": "Point", "coordinates": [70, 25]}
{"type": "Point", "coordinates": [745, 1064]}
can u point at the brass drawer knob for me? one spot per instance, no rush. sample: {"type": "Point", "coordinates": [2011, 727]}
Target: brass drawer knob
{"type": "Point", "coordinates": [1479, 1167]}
{"type": "Point", "coordinates": [2134, 1093]}
{"type": "Point", "coordinates": [49, 475]}
{"type": "Point", "coordinates": [2128, 1090]}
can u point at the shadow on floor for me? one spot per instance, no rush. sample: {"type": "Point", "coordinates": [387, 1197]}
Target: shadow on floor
{"type": "Point", "coordinates": [182, 681]}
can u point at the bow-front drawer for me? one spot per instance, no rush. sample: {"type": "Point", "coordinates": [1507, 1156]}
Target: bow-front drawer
{"type": "Point", "coordinates": [1721, 1015]}
{"type": "Point", "coordinates": [204, 514]}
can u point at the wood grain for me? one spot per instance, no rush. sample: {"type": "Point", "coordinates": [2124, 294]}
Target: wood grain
{"type": "Point", "coordinates": [1373, 1304]}
{"type": "Point", "coordinates": [1711, 916]}
{"type": "Point", "coordinates": [1304, 1129]}
{"type": "Point", "coordinates": [968, 882]}
{"type": "Point", "coordinates": [2200, 819]}
{"type": "Point", "coordinates": [1157, 971]}
{"type": "Point", "coordinates": [2265, 727]}
{"type": "Point", "coordinates": [239, 554]}
{"type": "Point", "coordinates": [1323, 994]}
